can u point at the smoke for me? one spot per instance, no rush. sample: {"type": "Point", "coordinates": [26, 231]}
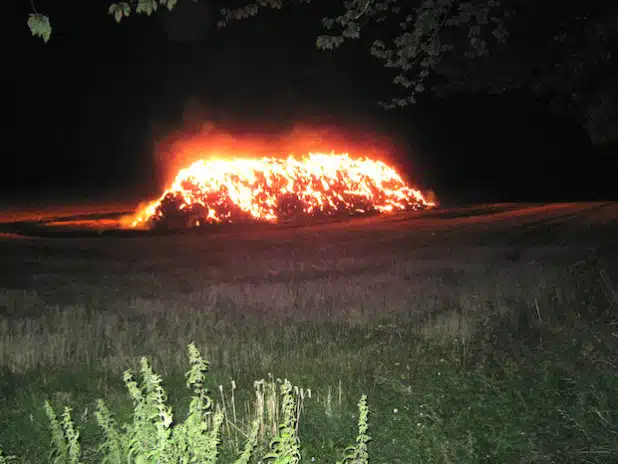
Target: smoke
{"type": "Point", "coordinates": [201, 136]}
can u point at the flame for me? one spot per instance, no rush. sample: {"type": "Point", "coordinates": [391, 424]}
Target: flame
{"type": "Point", "coordinates": [275, 189]}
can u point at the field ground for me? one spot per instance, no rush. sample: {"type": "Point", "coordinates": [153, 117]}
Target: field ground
{"type": "Point", "coordinates": [480, 334]}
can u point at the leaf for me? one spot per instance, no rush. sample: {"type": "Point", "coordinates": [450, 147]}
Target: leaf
{"type": "Point", "coordinates": [119, 10]}
{"type": "Point", "coordinates": [474, 31]}
{"type": "Point", "coordinates": [403, 81]}
{"type": "Point", "coordinates": [500, 33]}
{"type": "Point", "coordinates": [329, 42]}
{"type": "Point", "coordinates": [169, 4]}
{"type": "Point", "coordinates": [147, 7]}
{"type": "Point", "coordinates": [39, 25]}
{"type": "Point", "coordinates": [352, 30]}
{"type": "Point", "coordinates": [328, 23]}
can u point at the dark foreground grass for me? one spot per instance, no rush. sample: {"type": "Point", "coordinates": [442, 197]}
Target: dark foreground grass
{"type": "Point", "coordinates": [466, 354]}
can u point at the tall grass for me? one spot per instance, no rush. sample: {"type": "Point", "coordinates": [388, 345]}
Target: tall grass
{"type": "Point", "coordinates": [467, 356]}
{"type": "Point", "coordinates": [545, 397]}
{"type": "Point", "coordinates": [155, 436]}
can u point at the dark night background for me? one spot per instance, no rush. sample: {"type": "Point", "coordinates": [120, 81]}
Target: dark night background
{"type": "Point", "coordinates": [85, 109]}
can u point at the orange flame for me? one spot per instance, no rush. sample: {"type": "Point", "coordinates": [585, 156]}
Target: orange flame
{"type": "Point", "coordinates": [274, 189]}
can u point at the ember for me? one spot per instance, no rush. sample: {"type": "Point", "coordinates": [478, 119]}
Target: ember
{"type": "Point", "coordinates": [276, 189]}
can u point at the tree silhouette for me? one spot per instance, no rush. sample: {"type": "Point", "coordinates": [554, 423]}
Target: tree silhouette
{"type": "Point", "coordinates": [558, 50]}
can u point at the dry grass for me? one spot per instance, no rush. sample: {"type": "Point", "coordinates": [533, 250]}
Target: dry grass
{"type": "Point", "coordinates": [337, 309]}
{"type": "Point", "coordinates": [109, 302]}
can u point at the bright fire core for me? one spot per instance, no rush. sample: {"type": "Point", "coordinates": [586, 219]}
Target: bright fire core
{"type": "Point", "coordinates": [278, 189]}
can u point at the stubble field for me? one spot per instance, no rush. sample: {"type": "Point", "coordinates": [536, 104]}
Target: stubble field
{"type": "Point", "coordinates": [480, 334]}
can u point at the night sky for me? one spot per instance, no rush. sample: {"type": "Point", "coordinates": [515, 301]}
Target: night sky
{"type": "Point", "coordinates": [86, 110]}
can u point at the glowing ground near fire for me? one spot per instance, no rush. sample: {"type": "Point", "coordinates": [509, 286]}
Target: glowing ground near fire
{"type": "Point", "coordinates": [278, 189]}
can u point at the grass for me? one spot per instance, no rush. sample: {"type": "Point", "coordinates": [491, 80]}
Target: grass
{"type": "Point", "coordinates": [469, 348]}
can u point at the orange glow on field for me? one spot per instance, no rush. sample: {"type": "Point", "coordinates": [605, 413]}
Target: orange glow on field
{"type": "Point", "coordinates": [274, 189]}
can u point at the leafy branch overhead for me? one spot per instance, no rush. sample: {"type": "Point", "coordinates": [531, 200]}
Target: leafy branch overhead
{"type": "Point", "coordinates": [411, 37]}
{"type": "Point", "coordinates": [148, 7]}
{"type": "Point", "coordinates": [561, 54]}
{"type": "Point", "coordinates": [39, 25]}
